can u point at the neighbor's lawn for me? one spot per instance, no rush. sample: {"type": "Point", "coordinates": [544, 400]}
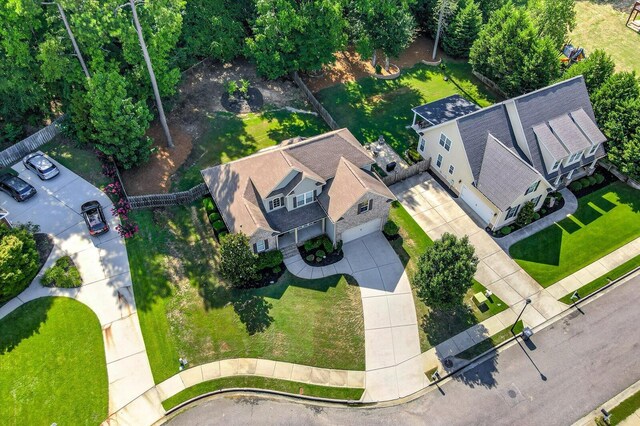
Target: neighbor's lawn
{"type": "Point", "coordinates": [52, 365]}
{"type": "Point", "coordinates": [352, 394]}
{"type": "Point", "coordinates": [185, 311]}
{"type": "Point", "coordinates": [601, 26]}
{"type": "Point", "coordinates": [81, 159]}
{"type": "Point", "coordinates": [232, 136]}
{"type": "Point", "coordinates": [435, 328]}
{"type": "Point", "coordinates": [605, 220]}
{"type": "Point", "coordinates": [370, 107]}
{"type": "Point", "coordinates": [623, 410]}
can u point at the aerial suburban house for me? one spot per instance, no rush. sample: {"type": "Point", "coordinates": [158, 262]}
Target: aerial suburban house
{"type": "Point", "coordinates": [300, 189]}
{"type": "Point", "coordinates": [500, 157]}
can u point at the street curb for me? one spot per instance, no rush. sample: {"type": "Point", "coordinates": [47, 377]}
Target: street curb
{"type": "Point", "coordinates": [432, 385]}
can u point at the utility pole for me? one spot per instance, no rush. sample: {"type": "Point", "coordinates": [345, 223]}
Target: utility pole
{"type": "Point", "coordinates": [440, 18]}
{"type": "Point", "coordinates": [152, 76]}
{"type": "Point", "coordinates": [73, 39]}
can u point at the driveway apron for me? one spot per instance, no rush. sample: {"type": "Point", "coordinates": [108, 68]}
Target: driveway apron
{"type": "Point", "coordinates": [104, 267]}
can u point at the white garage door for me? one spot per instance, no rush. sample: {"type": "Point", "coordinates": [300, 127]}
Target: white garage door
{"type": "Point", "coordinates": [476, 204]}
{"type": "Point", "coordinates": [361, 230]}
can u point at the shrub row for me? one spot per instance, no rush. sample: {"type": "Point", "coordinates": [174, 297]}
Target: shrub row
{"type": "Point", "coordinates": [269, 260]}
{"type": "Point", "coordinates": [586, 182]}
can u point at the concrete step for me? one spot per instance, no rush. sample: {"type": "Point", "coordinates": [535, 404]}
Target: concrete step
{"type": "Point", "coordinates": [289, 251]}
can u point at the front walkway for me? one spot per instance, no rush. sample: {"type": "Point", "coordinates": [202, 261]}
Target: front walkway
{"type": "Point", "coordinates": [570, 206]}
{"type": "Point", "coordinates": [437, 212]}
{"type": "Point", "coordinates": [394, 366]}
{"type": "Point", "coordinates": [104, 267]}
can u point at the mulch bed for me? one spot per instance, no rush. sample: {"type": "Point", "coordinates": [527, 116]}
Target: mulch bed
{"type": "Point", "coordinates": [608, 179]}
{"type": "Point", "coordinates": [329, 259]}
{"type": "Point", "coordinates": [547, 211]}
{"type": "Point", "coordinates": [44, 245]}
{"type": "Point", "coordinates": [253, 102]}
{"type": "Point", "coordinates": [268, 277]}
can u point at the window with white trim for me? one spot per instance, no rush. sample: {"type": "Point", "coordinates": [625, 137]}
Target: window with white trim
{"type": "Point", "coordinates": [421, 146]}
{"type": "Point", "coordinates": [574, 157]}
{"type": "Point", "coordinates": [276, 203]}
{"type": "Point", "coordinates": [451, 169]}
{"type": "Point", "coordinates": [445, 142]}
{"type": "Point", "coordinates": [556, 165]}
{"type": "Point", "coordinates": [364, 206]}
{"type": "Point", "coordinates": [439, 161]}
{"type": "Point", "coordinates": [261, 246]}
{"type": "Point", "coordinates": [304, 199]}
{"type": "Point", "coordinates": [512, 212]}
{"type": "Point", "coordinates": [592, 150]}
{"type": "Point", "coordinates": [532, 188]}
{"type": "Point", "coordinates": [536, 200]}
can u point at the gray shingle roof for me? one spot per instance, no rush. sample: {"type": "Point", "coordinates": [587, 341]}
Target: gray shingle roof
{"type": "Point", "coordinates": [475, 128]}
{"type": "Point", "coordinates": [550, 141]}
{"type": "Point", "coordinates": [548, 103]}
{"type": "Point", "coordinates": [504, 175]}
{"type": "Point", "coordinates": [445, 109]}
{"type": "Point", "coordinates": [282, 220]}
{"type": "Point", "coordinates": [589, 127]}
{"type": "Point", "coordinates": [569, 134]}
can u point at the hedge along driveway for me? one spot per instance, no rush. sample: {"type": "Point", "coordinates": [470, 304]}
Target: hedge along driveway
{"type": "Point", "coordinates": [52, 365]}
{"type": "Point", "coordinates": [186, 311]}
{"type": "Point", "coordinates": [371, 107]}
{"type": "Point", "coordinates": [604, 221]}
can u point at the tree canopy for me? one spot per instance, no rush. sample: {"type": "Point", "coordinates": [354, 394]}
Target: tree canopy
{"type": "Point", "coordinates": [238, 263]}
{"type": "Point", "coordinates": [463, 30]}
{"type": "Point", "coordinates": [595, 69]}
{"type": "Point", "coordinates": [18, 261]}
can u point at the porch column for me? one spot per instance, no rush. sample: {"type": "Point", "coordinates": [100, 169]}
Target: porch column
{"type": "Point", "coordinates": [414, 120]}
{"type": "Point", "coordinates": [593, 164]}
{"type": "Point", "coordinates": [295, 233]}
{"type": "Point", "coordinates": [569, 175]}
{"type": "Point", "coordinates": [557, 181]}
{"type": "Point", "coordinates": [323, 224]}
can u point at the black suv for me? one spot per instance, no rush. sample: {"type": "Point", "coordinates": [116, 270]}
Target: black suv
{"type": "Point", "coordinates": [16, 187]}
{"type": "Point", "coordinates": [94, 218]}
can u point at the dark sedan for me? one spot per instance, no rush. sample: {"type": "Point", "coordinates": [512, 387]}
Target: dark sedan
{"type": "Point", "coordinates": [16, 187]}
{"type": "Point", "coordinates": [41, 166]}
{"type": "Point", "coordinates": [94, 218]}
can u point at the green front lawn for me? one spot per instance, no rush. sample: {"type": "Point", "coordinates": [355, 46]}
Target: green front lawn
{"type": "Point", "coordinates": [262, 383]}
{"type": "Point", "coordinates": [435, 327]}
{"type": "Point", "coordinates": [604, 221]}
{"type": "Point", "coordinates": [185, 310]}
{"type": "Point", "coordinates": [81, 159]}
{"type": "Point", "coordinates": [623, 410]}
{"type": "Point", "coordinates": [52, 365]}
{"type": "Point", "coordinates": [232, 136]}
{"type": "Point", "coordinates": [371, 107]}
{"type": "Point", "coordinates": [491, 342]}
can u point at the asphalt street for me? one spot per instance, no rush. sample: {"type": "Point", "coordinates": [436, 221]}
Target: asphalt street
{"type": "Point", "coordinates": [567, 370]}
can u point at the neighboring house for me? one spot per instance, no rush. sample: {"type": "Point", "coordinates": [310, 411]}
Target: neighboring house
{"type": "Point", "coordinates": [300, 189]}
{"type": "Point", "coordinates": [499, 157]}
{"type": "Point", "coordinates": [4, 220]}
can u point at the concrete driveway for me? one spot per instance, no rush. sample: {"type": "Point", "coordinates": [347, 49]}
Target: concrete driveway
{"type": "Point", "coordinates": [437, 212]}
{"type": "Point", "coordinates": [104, 267]}
{"type": "Point", "coordinates": [392, 347]}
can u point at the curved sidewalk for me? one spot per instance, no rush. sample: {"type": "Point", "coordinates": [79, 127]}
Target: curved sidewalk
{"type": "Point", "coordinates": [394, 366]}
{"type": "Point", "coordinates": [104, 267]}
{"type": "Point", "coordinates": [570, 206]}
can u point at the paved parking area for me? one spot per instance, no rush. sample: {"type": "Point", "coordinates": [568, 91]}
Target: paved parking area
{"type": "Point", "coordinates": [104, 267]}
{"type": "Point", "coordinates": [394, 367]}
{"type": "Point", "coordinates": [437, 212]}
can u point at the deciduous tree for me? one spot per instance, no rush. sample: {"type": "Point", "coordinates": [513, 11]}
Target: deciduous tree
{"type": "Point", "coordinates": [554, 19]}
{"type": "Point", "coordinates": [445, 272]}
{"type": "Point", "coordinates": [18, 261]}
{"type": "Point", "coordinates": [237, 260]}
{"type": "Point", "coordinates": [595, 69]}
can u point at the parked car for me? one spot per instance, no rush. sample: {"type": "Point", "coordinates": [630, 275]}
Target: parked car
{"type": "Point", "coordinates": [41, 166]}
{"type": "Point", "coordinates": [16, 187]}
{"type": "Point", "coordinates": [94, 218]}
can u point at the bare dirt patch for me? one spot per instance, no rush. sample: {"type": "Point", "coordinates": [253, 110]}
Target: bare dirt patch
{"type": "Point", "coordinates": [198, 97]}
{"type": "Point", "coordinates": [349, 66]}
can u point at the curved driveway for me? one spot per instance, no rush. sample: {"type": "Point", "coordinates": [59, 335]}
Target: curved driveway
{"type": "Point", "coordinates": [104, 267]}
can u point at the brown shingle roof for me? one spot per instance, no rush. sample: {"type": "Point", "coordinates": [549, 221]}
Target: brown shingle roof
{"type": "Point", "coordinates": [348, 187]}
{"type": "Point", "coordinates": [238, 187]}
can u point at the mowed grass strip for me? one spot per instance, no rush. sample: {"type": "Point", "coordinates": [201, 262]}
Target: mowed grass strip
{"type": "Point", "coordinates": [351, 394]}
{"type": "Point", "coordinates": [371, 107]}
{"type": "Point", "coordinates": [231, 136]}
{"type": "Point", "coordinates": [186, 311]}
{"type": "Point", "coordinates": [434, 328]}
{"type": "Point", "coordinates": [605, 220]}
{"type": "Point", "coordinates": [52, 365]}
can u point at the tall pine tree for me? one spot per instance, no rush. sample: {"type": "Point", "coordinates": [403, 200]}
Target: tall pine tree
{"type": "Point", "coordinates": [463, 30]}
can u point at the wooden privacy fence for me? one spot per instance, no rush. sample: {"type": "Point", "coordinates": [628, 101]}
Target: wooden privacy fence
{"type": "Point", "coordinates": [138, 202]}
{"type": "Point", "coordinates": [316, 104]}
{"type": "Point", "coordinates": [402, 174]}
{"type": "Point", "coordinates": [492, 85]}
{"type": "Point", "coordinates": [15, 152]}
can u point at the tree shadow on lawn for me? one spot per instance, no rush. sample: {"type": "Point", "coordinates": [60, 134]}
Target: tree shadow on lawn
{"type": "Point", "coordinates": [23, 323]}
{"type": "Point", "coordinates": [625, 195]}
{"type": "Point", "coordinates": [586, 214]}
{"type": "Point", "coordinates": [292, 124]}
{"type": "Point", "coordinates": [440, 326]}
{"type": "Point", "coordinates": [253, 312]}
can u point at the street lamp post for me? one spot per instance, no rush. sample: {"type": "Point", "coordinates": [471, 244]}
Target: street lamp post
{"type": "Point", "coordinates": [526, 302]}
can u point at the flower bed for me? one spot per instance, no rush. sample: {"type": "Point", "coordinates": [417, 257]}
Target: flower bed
{"type": "Point", "coordinates": [319, 251]}
{"type": "Point", "coordinates": [545, 210]}
{"type": "Point", "coordinates": [589, 184]}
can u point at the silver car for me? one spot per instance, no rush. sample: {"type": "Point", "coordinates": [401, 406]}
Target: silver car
{"type": "Point", "coordinates": [41, 166]}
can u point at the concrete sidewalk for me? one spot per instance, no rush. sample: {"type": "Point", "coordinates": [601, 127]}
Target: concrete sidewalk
{"type": "Point", "coordinates": [392, 346]}
{"type": "Point", "coordinates": [595, 270]}
{"type": "Point", "coordinates": [104, 267]}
